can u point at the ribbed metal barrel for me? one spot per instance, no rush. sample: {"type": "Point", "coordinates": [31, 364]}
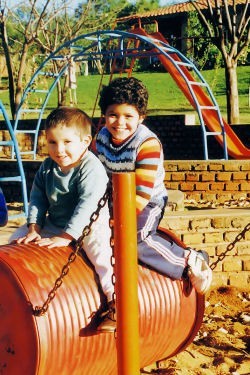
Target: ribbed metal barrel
{"type": "Point", "coordinates": [58, 342]}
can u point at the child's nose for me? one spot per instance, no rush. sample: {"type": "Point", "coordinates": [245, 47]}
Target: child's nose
{"type": "Point", "coordinates": [121, 120]}
{"type": "Point", "coordinates": [60, 147]}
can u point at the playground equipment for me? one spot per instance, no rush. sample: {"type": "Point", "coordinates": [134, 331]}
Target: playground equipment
{"type": "Point", "coordinates": [58, 342]}
{"type": "Point", "coordinates": [63, 339]}
{"type": "Point", "coordinates": [109, 46]}
{"type": "Point", "coordinates": [20, 177]}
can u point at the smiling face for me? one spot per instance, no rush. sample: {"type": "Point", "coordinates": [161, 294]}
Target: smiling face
{"type": "Point", "coordinates": [122, 120]}
{"type": "Point", "coordinates": [65, 146]}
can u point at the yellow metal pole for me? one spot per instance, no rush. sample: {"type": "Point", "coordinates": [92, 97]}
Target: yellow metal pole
{"type": "Point", "coordinates": [126, 273]}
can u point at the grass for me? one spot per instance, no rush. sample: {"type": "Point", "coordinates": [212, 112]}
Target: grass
{"type": "Point", "coordinates": [165, 98]}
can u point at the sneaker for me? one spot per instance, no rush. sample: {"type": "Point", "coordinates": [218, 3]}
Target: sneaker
{"type": "Point", "coordinates": [199, 272]}
{"type": "Point", "coordinates": [108, 319]}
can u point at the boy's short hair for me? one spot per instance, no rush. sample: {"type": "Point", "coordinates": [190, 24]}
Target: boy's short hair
{"type": "Point", "coordinates": [70, 117]}
{"type": "Point", "coordinates": [124, 91]}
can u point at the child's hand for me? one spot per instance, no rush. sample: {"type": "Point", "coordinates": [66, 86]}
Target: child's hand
{"type": "Point", "coordinates": [30, 237]}
{"type": "Point", "coordinates": [54, 242]}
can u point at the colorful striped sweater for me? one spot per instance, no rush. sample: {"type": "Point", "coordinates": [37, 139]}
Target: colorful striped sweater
{"type": "Point", "coordinates": [141, 153]}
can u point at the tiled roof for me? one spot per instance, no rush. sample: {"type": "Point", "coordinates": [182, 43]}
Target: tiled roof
{"type": "Point", "coordinates": [173, 9]}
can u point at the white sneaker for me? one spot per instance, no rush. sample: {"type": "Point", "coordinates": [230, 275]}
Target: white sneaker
{"type": "Point", "coordinates": [199, 272]}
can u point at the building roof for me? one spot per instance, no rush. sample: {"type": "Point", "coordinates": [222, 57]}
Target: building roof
{"type": "Point", "coordinates": [174, 9]}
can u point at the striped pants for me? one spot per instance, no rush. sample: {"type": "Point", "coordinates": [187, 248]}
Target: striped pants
{"type": "Point", "coordinates": [163, 256]}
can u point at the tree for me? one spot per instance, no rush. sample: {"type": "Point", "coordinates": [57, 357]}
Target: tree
{"type": "Point", "coordinates": [227, 23]}
{"type": "Point", "coordinates": [26, 22]}
{"type": "Point", "coordinates": [40, 27]}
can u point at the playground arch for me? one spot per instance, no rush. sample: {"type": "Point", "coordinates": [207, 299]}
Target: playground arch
{"type": "Point", "coordinates": [109, 47]}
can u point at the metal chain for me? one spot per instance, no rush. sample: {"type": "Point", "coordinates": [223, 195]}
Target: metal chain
{"type": "Point", "coordinates": [41, 310]}
{"type": "Point", "coordinates": [231, 246]}
{"type": "Point", "coordinates": [112, 260]}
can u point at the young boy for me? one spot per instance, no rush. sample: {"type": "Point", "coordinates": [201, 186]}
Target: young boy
{"type": "Point", "coordinates": [66, 191]}
{"type": "Point", "coordinates": [125, 144]}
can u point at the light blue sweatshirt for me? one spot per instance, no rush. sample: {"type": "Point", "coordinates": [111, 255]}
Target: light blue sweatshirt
{"type": "Point", "coordinates": [68, 199]}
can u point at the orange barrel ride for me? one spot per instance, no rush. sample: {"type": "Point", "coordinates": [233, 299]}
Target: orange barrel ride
{"type": "Point", "coordinates": [170, 313]}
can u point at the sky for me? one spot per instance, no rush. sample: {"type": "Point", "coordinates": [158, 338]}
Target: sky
{"type": "Point", "coordinates": [74, 3]}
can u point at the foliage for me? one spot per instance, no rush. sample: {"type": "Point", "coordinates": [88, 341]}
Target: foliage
{"type": "Point", "coordinates": [227, 24]}
{"type": "Point", "coordinates": [201, 50]}
{"type": "Point", "coordinates": [37, 28]}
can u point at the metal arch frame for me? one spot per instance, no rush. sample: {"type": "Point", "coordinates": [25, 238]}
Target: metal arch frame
{"type": "Point", "coordinates": [20, 178]}
{"type": "Point", "coordinates": [96, 40]}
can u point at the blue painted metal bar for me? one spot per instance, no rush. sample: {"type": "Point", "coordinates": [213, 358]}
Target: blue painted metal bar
{"type": "Point", "coordinates": [21, 177]}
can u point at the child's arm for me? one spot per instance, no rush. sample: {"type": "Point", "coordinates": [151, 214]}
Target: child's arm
{"type": "Point", "coordinates": [147, 162]}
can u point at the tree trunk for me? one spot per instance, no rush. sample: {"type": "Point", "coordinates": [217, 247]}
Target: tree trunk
{"type": "Point", "coordinates": [19, 84]}
{"type": "Point", "coordinates": [232, 93]}
{"type": "Point", "coordinates": [5, 45]}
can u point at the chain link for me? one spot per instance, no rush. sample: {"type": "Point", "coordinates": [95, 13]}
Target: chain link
{"type": "Point", "coordinates": [230, 246]}
{"type": "Point", "coordinates": [41, 310]}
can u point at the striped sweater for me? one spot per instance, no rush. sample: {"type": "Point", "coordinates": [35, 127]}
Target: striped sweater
{"type": "Point", "coordinates": [141, 153]}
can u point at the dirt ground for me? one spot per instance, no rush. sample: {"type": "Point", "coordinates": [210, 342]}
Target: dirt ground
{"type": "Point", "coordinates": [222, 345]}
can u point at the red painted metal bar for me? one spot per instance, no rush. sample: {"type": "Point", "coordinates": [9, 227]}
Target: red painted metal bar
{"type": "Point", "coordinates": [126, 273]}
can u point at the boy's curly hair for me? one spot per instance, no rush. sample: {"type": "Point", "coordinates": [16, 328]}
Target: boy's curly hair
{"type": "Point", "coordinates": [124, 91]}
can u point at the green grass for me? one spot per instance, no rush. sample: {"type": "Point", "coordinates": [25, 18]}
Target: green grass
{"type": "Point", "coordinates": [165, 97]}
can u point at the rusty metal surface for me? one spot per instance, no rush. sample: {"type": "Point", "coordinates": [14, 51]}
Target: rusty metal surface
{"type": "Point", "coordinates": [58, 342]}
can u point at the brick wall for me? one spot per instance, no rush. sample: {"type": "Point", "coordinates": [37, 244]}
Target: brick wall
{"type": "Point", "coordinates": [214, 180]}
{"type": "Point", "coordinates": [180, 142]}
{"type": "Point", "coordinates": [215, 231]}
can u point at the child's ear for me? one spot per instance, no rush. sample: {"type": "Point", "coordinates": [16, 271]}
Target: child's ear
{"type": "Point", "coordinates": [87, 140]}
{"type": "Point", "coordinates": [141, 118]}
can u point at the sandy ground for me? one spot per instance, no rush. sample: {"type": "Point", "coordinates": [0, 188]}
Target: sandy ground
{"type": "Point", "coordinates": [222, 345]}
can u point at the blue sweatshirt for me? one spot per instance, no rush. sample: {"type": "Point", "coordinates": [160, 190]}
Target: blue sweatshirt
{"type": "Point", "coordinates": [68, 199]}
